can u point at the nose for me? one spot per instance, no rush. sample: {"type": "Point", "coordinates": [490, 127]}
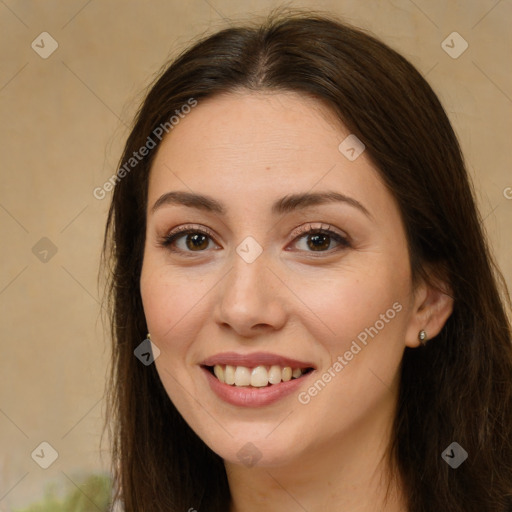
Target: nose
{"type": "Point", "coordinates": [250, 299]}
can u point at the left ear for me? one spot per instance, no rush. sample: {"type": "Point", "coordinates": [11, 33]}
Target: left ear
{"type": "Point", "coordinates": [433, 305]}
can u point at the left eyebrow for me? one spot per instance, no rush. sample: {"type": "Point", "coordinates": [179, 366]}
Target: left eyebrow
{"type": "Point", "coordinates": [298, 201]}
{"type": "Point", "coordinates": [284, 205]}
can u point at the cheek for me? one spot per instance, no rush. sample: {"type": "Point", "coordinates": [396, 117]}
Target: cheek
{"type": "Point", "coordinates": [365, 316]}
{"type": "Point", "coordinates": [176, 306]}
{"type": "Point", "coordinates": [174, 314]}
{"type": "Point", "coordinates": [344, 305]}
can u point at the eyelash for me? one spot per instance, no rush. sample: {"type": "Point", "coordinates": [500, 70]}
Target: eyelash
{"type": "Point", "coordinates": [168, 240]}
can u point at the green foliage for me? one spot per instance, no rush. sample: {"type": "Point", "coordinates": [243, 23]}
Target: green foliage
{"type": "Point", "coordinates": [93, 495]}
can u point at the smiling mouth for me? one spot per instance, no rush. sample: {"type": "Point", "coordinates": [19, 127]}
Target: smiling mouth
{"type": "Point", "coordinates": [256, 377]}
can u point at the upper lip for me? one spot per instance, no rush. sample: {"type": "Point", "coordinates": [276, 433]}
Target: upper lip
{"type": "Point", "coordinates": [254, 359]}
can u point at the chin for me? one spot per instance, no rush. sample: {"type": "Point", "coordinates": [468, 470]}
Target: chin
{"type": "Point", "coordinates": [257, 450]}
{"type": "Point", "coordinates": [252, 454]}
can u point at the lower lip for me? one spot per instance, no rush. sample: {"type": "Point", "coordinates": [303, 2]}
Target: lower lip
{"type": "Point", "coordinates": [253, 397]}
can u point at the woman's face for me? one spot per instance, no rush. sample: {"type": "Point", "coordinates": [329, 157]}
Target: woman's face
{"type": "Point", "coordinates": [250, 285]}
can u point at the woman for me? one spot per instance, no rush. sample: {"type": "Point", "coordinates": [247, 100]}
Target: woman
{"type": "Point", "coordinates": [294, 232]}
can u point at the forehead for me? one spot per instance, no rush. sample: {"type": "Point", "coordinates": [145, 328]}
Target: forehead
{"type": "Point", "coordinates": [259, 145]}
{"type": "Point", "coordinates": [283, 121]}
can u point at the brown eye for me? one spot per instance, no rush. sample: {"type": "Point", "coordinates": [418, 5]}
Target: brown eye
{"type": "Point", "coordinates": [195, 240]}
{"type": "Point", "coordinates": [320, 240]}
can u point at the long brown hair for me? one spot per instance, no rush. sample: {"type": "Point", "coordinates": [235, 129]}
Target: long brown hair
{"type": "Point", "coordinates": [456, 388]}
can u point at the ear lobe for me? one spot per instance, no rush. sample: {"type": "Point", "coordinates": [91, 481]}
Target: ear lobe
{"type": "Point", "coordinates": [433, 306]}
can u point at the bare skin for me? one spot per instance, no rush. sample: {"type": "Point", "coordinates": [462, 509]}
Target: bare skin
{"type": "Point", "coordinates": [317, 451]}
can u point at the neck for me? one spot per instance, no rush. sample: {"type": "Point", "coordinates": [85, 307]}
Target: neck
{"type": "Point", "coordinates": [349, 473]}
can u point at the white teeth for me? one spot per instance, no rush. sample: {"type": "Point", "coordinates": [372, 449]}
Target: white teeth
{"type": "Point", "coordinates": [242, 376]}
{"type": "Point", "coordinates": [229, 374]}
{"type": "Point", "coordinates": [219, 372]}
{"type": "Point", "coordinates": [297, 372]}
{"type": "Point", "coordinates": [274, 374]}
{"type": "Point", "coordinates": [287, 374]}
{"type": "Point", "coordinates": [258, 377]}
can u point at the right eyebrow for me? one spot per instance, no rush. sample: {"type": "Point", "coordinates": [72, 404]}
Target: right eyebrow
{"type": "Point", "coordinates": [199, 201]}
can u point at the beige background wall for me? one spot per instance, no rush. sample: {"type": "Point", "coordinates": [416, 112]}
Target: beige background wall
{"type": "Point", "coordinates": [63, 122]}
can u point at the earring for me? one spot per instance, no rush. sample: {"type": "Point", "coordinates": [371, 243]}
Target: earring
{"type": "Point", "coordinates": [422, 336]}
{"type": "Point", "coordinates": [148, 336]}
